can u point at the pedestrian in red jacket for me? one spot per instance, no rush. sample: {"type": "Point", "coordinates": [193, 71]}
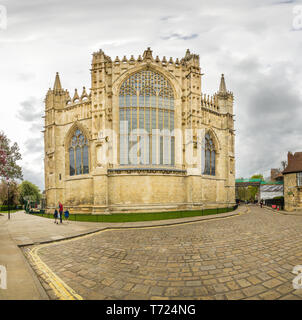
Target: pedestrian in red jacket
{"type": "Point", "coordinates": [61, 211]}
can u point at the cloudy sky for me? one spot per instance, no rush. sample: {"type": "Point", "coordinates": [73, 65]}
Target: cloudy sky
{"type": "Point", "coordinates": [256, 44]}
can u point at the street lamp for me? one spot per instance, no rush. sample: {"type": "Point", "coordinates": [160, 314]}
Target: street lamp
{"type": "Point", "coordinates": [8, 200]}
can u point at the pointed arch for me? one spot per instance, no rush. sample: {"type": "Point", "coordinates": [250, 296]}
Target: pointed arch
{"type": "Point", "coordinates": [209, 150]}
{"type": "Point", "coordinates": [146, 109]}
{"type": "Point", "coordinates": [77, 150]}
{"type": "Point", "coordinates": [214, 138]}
{"type": "Point", "coordinates": [76, 125]}
{"type": "Point", "coordinates": [173, 81]}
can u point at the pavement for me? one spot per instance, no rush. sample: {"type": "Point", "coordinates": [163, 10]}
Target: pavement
{"type": "Point", "coordinates": [24, 230]}
{"type": "Point", "coordinates": [251, 255]}
{"type": "Point", "coordinates": [246, 254]}
{"type": "Point", "coordinates": [291, 213]}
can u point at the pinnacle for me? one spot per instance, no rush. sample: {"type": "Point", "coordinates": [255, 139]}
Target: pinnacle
{"type": "Point", "coordinates": [57, 85]}
{"type": "Point", "coordinates": [222, 87]}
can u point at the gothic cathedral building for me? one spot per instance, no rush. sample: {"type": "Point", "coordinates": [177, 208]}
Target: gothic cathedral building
{"type": "Point", "coordinates": [144, 138]}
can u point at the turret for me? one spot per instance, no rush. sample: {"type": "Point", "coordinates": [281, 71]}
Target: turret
{"type": "Point", "coordinates": [57, 97]}
{"type": "Point", "coordinates": [225, 98]}
{"type": "Point", "coordinates": [57, 85]}
{"type": "Point", "coordinates": [222, 87]}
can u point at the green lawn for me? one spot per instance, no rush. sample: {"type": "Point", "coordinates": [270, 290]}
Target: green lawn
{"type": "Point", "coordinates": [134, 217]}
{"type": "Point", "coordinates": [11, 211]}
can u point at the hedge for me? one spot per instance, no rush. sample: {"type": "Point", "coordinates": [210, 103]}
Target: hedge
{"type": "Point", "coordinates": [11, 207]}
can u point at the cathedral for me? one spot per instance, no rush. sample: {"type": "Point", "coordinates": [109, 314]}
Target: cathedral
{"type": "Point", "coordinates": [144, 138]}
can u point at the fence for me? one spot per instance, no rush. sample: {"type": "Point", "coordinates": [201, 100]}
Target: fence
{"type": "Point", "coordinates": [132, 217]}
{"type": "Point", "coordinates": [11, 207]}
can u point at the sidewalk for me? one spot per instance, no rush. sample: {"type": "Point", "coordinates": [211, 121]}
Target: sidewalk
{"type": "Point", "coordinates": [26, 229]}
{"type": "Point", "coordinates": [290, 213]}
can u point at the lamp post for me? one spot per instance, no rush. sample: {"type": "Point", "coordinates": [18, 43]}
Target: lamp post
{"type": "Point", "coordinates": [8, 200]}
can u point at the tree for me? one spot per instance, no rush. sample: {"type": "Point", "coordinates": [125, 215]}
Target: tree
{"type": "Point", "coordinates": [252, 190]}
{"type": "Point", "coordinates": [29, 191]}
{"type": "Point", "coordinates": [257, 176]}
{"type": "Point", "coordinates": [284, 165]}
{"type": "Point", "coordinates": [241, 193]}
{"type": "Point", "coordinates": [9, 155]}
{"type": "Point", "coordinates": [13, 193]}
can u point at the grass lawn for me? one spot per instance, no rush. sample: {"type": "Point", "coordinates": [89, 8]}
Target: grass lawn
{"type": "Point", "coordinates": [11, 211]}
{"type": "Point", "coordinates": [134, 217]}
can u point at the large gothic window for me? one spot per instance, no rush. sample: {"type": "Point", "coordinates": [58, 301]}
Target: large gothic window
{"type": "Point", "coordinates": [78, 154]}
{"type": "Point", "coordinates": [210, 156]}
{"type": "Point", "coordinates": [146, 104]}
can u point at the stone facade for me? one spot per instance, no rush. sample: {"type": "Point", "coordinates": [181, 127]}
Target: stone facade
{"type": "Point", "coordinates": [292, 194]}
{"type": "Point", "coordinates": [112, 187]}
{"type": "Point", "coordinates": [293, 182]}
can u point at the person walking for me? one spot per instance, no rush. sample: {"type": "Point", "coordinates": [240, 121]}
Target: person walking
{"type": "Point", "coordinates": [66, 214]}
{"type": "Point", "coordinates": [56, 215]}
{"type": "Point", "coordinates": [61, 211]}
{"type": "Point", "coordinates": [261, 203]}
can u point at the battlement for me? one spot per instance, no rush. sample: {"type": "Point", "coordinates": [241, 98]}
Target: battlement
{"type": "Point", "coordinates": [189, 59]}
{"type": "Point", "coordinates": [210, 102]}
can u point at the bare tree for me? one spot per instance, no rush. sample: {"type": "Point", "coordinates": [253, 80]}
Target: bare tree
{"type": "Point", "coordinates": [283, 165]}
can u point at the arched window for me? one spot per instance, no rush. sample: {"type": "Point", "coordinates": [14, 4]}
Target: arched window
{"type": "Point", "coordinates": [209, 155]}
{"type": "Point", "coordinates": [146, 104]}
{"type": "Point", "coordinates": [78, 154]}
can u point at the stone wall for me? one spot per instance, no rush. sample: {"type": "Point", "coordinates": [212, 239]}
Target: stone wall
{"type": "Point", "coordinates": [103, 190]}
{"type": "Point", "coordinates": [292, 193]}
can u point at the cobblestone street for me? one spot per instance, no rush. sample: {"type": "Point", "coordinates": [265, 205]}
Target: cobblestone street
{"type": "Point", "coordinates": [250, 256]}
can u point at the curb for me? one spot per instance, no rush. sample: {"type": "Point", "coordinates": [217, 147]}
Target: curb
{"type": "Point", "coordinates": [285, 213]}
{"type": "Point", "coordinates": [112, 227]}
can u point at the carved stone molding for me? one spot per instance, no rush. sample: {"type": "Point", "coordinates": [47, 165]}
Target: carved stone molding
{"type": "Point", "coordinates": [165, 171]}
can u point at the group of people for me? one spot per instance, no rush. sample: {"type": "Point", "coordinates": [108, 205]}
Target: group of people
{"type": "Point", "coordinates": [59, 215]}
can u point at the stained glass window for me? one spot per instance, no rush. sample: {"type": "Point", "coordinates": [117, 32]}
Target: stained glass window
{"type": "Point", "coordinates": [78, 154]}
{"type": "Point", "coordinates": [210, 156]}
{"type": "Point", "coordinates": [146, 102]}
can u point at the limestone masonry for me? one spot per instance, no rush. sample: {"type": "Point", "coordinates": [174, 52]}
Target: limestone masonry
{"type": "Point", "coordinates": [144, 138]}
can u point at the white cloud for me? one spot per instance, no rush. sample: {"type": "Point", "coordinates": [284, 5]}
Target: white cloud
{"type": "Point", "coordinates": [252, 42]}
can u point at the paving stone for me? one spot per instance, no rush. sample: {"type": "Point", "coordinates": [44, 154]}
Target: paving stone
{"type": "Point", "coordinates": [243, 283]}
{"type": "Point", "coordinates": [139, 288]}
{"type": "Point", "coordinates": [235, 295]}
{"type": "Point", "coordinates": [193, 283]}
{"type": "Point", "coordinates": [270, 295]}
{"type": "Point", "coordinates": [250, 256]}
{"type": "Point", "coordinates": [272, 283]}
{"type": "Point", "coordinates": [254, 279]}
{"type": "Point", "coordinates": [156, 291]}
{"type": "Point", "coordinates": [220, 288]}
{"type": "Point", "coordinates": [285, 288]}
{"type": "Point", "coordinates": [253, 290]}
{"type": "Point", "coordinates": [232, 285]}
